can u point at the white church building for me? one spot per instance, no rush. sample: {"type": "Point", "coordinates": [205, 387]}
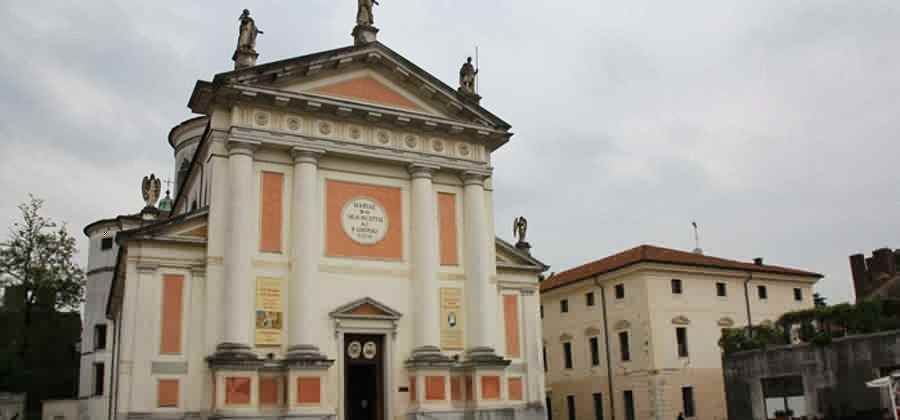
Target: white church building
{"type": "Point", "coordinates": [328, 253]}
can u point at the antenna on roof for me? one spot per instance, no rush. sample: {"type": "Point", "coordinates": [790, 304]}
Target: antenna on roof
{"type": "Point", "coordinates": [697, 249]}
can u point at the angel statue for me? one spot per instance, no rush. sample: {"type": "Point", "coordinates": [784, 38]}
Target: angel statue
{"type": "Point", "coordinates": [150, 189]}
{"type": "Point", "coordinates": [247, 33]}
{"type": "Point", "coordinates": [364, 16]}
{"type": "Point", "coordinates": [520, 228]}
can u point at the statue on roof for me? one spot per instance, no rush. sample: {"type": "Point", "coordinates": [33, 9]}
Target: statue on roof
{"type": "Point", "coordinates": [520, 228]}
{"type": "Point", "coordinates": [364, 16]}
{"type": "Point", "coordinates": [247, 33]}
{"type": "Point", "coordinates": [467, 75]}
{"type": "Point", "coordinates": [150, 190]}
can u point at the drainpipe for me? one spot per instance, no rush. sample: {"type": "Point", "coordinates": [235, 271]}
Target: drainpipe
{"type": "Point", "coordinates": [747, 299]}
{"type": "Point", "coordinates": [609, 375]}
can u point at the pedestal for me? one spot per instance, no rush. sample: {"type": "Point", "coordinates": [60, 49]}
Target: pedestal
{"type": "Point", "coordinates": [363, 34]}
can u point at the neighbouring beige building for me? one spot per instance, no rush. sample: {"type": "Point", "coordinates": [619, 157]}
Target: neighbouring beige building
{"type": "Point", "coordinates": [328, 253]}
{"type": "Point", "coordinates": [635, 335]}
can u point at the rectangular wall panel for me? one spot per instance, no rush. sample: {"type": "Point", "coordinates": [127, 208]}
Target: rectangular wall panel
{"type": "Point", "coordinates": [271, 211]}
{"type": "Point", "coordinates": [172, 298]}
{"type": "Point", "coordinates": [511, 320]}
{"type": "Point", "coordinates": [447, 223]}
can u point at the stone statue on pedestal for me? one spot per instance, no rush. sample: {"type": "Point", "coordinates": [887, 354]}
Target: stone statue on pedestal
{"type": "Point", "coordinates": [467, 75]}
{"type": "Point", "coordinates": [245, 54]}
{"type": "Point", "coordinates": [364, 16]}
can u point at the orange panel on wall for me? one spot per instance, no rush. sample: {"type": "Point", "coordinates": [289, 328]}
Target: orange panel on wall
{"type": "Point", "coordinates": [456, 388]}
{"type": "Point", "coordinates": [370, 90]}
{"type": "Point", "coordinates": [270, 215]}
{"type": "Point", "coordinates": [309, 390]}
{"type": "Point", "coordinates": [412, 389]}
{"type": "Point", "coordinates": [447, 215]}
{"type": "Point", "coordinates": [167, 393]}
{"type": "Point", "coordinates": [237, 391]}
{"type": "Point", "coordinates": [470, 392]}
{"type": "Point", "coordinates": [387, 232]}
{"type": "Point", "coordinates": [435, 388]}
{"type": "Point", "coordinates": [515, 389]}
{"type": "Point", "coordinates": [268, 391]}
{"type": "Point", "coordinates": [511, 320]}
{"type": "Point", "coordinates": [170, 337]}
{"type": "Point", "coordinates": [490, 387]}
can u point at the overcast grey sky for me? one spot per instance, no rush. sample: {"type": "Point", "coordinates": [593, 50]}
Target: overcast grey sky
{"type": "Point", "coordinates": [773, 123]}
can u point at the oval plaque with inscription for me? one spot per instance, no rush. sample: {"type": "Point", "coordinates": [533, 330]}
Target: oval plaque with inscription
{"type": "Point", "coordinates": [364, 220]}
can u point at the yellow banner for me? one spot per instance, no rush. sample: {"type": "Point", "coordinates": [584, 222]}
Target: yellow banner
{"type": "Point", "coordinates": [451, 319]}
{"type": "Point", "coordinates": [269, 312]}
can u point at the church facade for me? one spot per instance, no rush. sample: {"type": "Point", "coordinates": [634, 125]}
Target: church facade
{"type": "Point", "coordinates": [329, 253]}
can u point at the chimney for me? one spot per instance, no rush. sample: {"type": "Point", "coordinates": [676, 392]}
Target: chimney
{"type": "Point", "coordinates": [860, 275]}
{"type": "Point", "coordinates": [758, 261]}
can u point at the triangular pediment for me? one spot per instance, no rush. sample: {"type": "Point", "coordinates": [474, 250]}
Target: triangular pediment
{"type": "Point", "coordinates": [508, 256]}
{"type": "Point", "coordinates": [186, 227]}
{"type": "Point", "coordinates": [367, 87]}
{"type": "Point", "coordinates": [367, 308]}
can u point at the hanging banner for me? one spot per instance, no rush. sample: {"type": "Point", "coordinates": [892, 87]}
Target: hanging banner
{"type": "Point", "coordinates": [269, 313]}
{"type": "Point", "coordinates": [451, 319]}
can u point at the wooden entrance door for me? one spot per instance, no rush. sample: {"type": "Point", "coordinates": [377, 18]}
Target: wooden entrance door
{"type": "Point", "coordinates": [364, 377]}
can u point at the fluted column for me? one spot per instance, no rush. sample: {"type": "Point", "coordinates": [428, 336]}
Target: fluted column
{"type": "Point", "coordinates": [237, 319]}
{"type": "Point", "coordinates": [305, 246]}
{"type": "Point", "coordinates": [425, 262]}
{"type": "Point", "coordinates": [481, 296]}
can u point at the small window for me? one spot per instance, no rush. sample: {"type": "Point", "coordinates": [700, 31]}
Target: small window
{"type": "Point", "coordinates": [545, 360]}
{"type": "Point", "coordinates": [620, 291]}
{"type": "Point", "coordinates": [762, 292]}
{"type": "Point", "coordinates": [570, 406]}
{"type": "Point", "coordinates": [100, 337]}
{"type": "Point", "coordinates": [106, 243]}
{"type": "Point", "coordinates": [721, 289]}
{"type": "Point", "coordinates": [676, 286]}
{"type": "Point", "coordinates": [598, 406]}
{"type": "Point", "coordinates": [542, 311]}
{"type": "Point", "coordinates": [682, 339]}
{"type": "Point", "coordinates": [687, 401]}
{"type": "Point", "coordinates": [628, 398]}
{"type": "Point", "coordinates": [567, 354]}
{"type": "Point", "coordinates": [624, 347]}
{"type": "Point", "coordinates": [595, 351]}
{"type": "Point", "coordinates": [564, 306]}
{"type": "Point", "coordinates": [589, 299]}
{"type": "Point", "coordinates": [798, 295]}
{"type": "Point", "coordinates": [98, 378]}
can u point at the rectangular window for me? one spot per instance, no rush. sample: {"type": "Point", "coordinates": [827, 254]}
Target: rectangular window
{"type": "Point", "coordinates": [170, 341]}
{"type": "Point", "coordinates": [681, 336]}
{"type": "Point", "coordinates": [570, 406]}
{"type": "Point", "coordinates": [511, 322]}
{"type": "Point", "coordinates": [549, 408]}
{"type": "Point", "coordinates": [595, 351]}
{"type": "Point", "coordinates": [100, 337]}
{"type": "Point", "coordinates": [99, 375]}
{"type": "Point", "coordinates": [628, 398]}
{"type": "Point", "coordinates": [447, 214]}
{"type": "Point", "coordinates": [598, 406]}
{"type": "Point", "coordinates": [624, 346]}
{"type": "Point", "coordinates": [798, 295]}
{"type": "Point", "coordinates": [567, 354]}
{"type": "Point", "coordinates": [545, 360]}
{"type": "Point", "coordinates": [676, 286]}
{"type": "Point", "coordinates": [721, 290]}
{"type": "Point", "coordinates": [564, 306]}
{"type": "Point", "coordinates": [687, 401]}
{"type": "Point", "coordinates": [762, 292]}
{"type": "Point", "coordinates": [270, 215]}
{"type": "Point", "coordinates": [589, 299]}
{"type": "Point", "coordinates": [542, 311]}
{"type": "Point", "coordinates": [106, 243]}
{"type": "Point", "coordinates": [620, 291]}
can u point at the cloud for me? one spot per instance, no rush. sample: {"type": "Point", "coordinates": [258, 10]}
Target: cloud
{"type": "Point", "coordinates": [772, 124]}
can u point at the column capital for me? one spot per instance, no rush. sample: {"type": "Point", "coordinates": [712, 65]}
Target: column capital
{"type": "Point", "coordinates": [421, 170]}
{"type": "Point", "coordinates": [241, 147]}
{"type": "Point", "coordinates": [306, 155]}
{"type": "Point", "coordinates": [474, 178]}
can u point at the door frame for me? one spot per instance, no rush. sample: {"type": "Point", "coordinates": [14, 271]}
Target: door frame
{"type": "Point", "coordinates": [385, 401]}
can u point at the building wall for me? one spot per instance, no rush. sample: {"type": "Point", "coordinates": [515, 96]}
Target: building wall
{"type": "Point", "coordinates": [656, 374]}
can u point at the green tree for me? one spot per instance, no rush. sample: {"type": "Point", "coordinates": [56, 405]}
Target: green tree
{"type": "Point", "coordinates": [37, 261]}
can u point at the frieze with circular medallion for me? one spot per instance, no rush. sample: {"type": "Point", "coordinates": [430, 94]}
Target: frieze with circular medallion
{"type": "Point", "coordinates": [411, 141]}
{"type": "Point", "coordinates": [364, 220]}
{"type": "Point", "coordinates": [325, 128]}
{"type": "Point", "coordinates": [293, 123]}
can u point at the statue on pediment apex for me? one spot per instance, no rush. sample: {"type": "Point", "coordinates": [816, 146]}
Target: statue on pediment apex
{"type": "Point", "coordinates": [467, 74]}
{"type": "Point", "coordinates": [247, 33]}
{"type": "Point", "coordinates": [364, 15]}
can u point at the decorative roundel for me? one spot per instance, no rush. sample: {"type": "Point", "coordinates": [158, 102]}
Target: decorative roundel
{"type": "Point", "coordinates": [464, 149]}
{"type": "Point", "coordinates": [261, 119]}
{"type": "Point", "coordinates": [437, 145]}
{"type": "Point", "coordinates": [325, 127]}
{"type": "Point", "coordinates": [355, 133]}
{"type": "Point", "coordinates": [364, 220]}
{"type": "Point", "coordinates": [451, 319]}
{"type": "Point", "coordinates": [370, 350]}
{"type": "Point", "coordinates": [354, 349]}
{"type": "Point", "coordinates": [293, 123]}
{"type": "Point", "coordinates": [411, 141]}
{"type": "Point", "coordinates": [383, 137]}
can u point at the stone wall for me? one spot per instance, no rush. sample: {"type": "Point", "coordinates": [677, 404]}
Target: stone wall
{"type": "Point", "coordinates": [834, 376]}
{"type": "Point", "coordinates": [876, 275]}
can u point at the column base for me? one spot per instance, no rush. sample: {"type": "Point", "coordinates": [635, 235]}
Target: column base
{"type": "Point", "coordinates": [484, 357]}
{"type": "Point", "coordinates": [234, 355]}
{"type": "Point", "coordinates": [306, 356]}
{"type": "Point", "coordinates": [428, 356]}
